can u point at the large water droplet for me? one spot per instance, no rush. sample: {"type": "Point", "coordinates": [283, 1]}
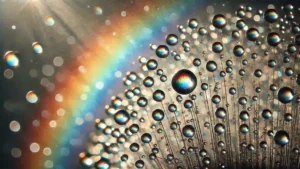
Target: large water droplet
{"type": "Point", "coordinates": [219, 21]}
{"type": "Point", "coordinates": [281, 138]}
{"type": "Point", "coordinates": [285, 95]}
{"type": "Point", "coordinates": [184, 81]}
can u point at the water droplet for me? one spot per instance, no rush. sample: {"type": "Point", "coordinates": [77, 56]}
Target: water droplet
{"type": "Point", "coordinates": [188, 104]}
{"type": "Point", "coordinates": [273, 39]}
{"type": "Point", "coordinates": [288, 7]}
{"type": "Point", "coordinates": [288, 117]}
{"type": "Point", "coordinates": [219, 21]}
{"type": "Point", "coordinates": [134, 147]}
{"type": "Point", "coordinates": [162, 51]}
{"type": "Point", "coordinates": [232, 91]}
{"type": "Point", "coordinates": [244, 115]}
{"type": "Point", "coordinates": [235, 34]}
{"type": "Point", "coordinates": [240, 24]}
{"type": "Point", "coordinates": [240, 13]}
{"type": "Point", "coordinates": [139, 164]}
{"type": "Point", "coordinates": [172, 107]}
{"type": "Point", "coordinates": [158, 95]}
{"type": "Point", "coordinates": [221, 113]}
{"type": "Point", "coordinates": [158, 115]}
{"type": "Point", "coordinates": [122, 117]}
{"type": "Point", "coordinates": [211, 66]}
{"type": "Point", "coordinates": [188, 131]}
{"type": "Point", "coordinates": [266, 114]}
{"type": "Point", "coordinates": [11, 59]}
{"type": "Point", "coordinates": [244, 128]}
{"type": "Point", "coordinates": [252, 34]}
{"type": "Point", "coordinates": [242, 101]}
{"type": "Point", "coordinates": [197, 62]}
{"type": "Point", "coordinates": [281, 138]}
{"type": "Point", "coordinates": [184, 81]}
{"type": "Point", "coordinates": [103, 163]}
{"type": "Point", "coordinates": [152, 64]}
{"type": "Point", "coordinates": [148, 82]}
{"type": "Point", "coordinates": [193, 23]}
{"type": "Point", "coordinates": [206, 161]}
{"type": "Point", "coordinates": [217, 47]}
{"type": "Point", "coordinates": [146, 138]}
{"type": "Point", "coordinates": [285, 95]}
{"type": "Point", "coordinates": [238, 50]}
{"type": "Point", "coordinates": [49, 21]}
{"type": "Point", "coordinates": [202, 31]}
{"type": "Point", "coordinates": [258, 73]}
{"type": "Point", "coordinates": [219, 128]}
{"type": "Point", "coordinates": [216, 99]}
{"type": "Point", "coordinates": [172, 39]}
{"type": "Point", "coordinates": [98, 10]}
{"type": "Point", "coordinates": [31, 97]}
{"type": "Point", "coordinates": [203, 152]}
{"type": "Point", "coordinates": [263, 144]}
{"type": "Point", "coordinates": [271, 15]}
{"type": "Point", "coordinates": [124, 157]}
{"type": "Point", "coordinates": [142, 102]}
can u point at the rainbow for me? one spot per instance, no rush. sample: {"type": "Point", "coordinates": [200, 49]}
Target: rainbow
{"type": "Point", "coordinates": [95, 64]}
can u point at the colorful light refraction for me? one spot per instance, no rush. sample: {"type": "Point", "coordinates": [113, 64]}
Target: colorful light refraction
{"type": "Point", "coordinates": [11, 59]}
{"type": "Point", "coordinates": [219, 93]}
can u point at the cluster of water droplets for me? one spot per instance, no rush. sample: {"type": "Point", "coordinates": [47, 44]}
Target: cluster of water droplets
{"type": "Point", "coordinates": [224, 95]}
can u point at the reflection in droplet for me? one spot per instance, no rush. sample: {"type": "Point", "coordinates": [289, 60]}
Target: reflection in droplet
{"type": "Point", "coordinates": [31, 97]}
{"type": "Point", "coordinates": [11, 59]}
{"type": "Point", "coordinates": [285, 95]}
{"type": "Point", "coordinates": [219, 21]}
{"type": "Point", "coordinates": [227, 94]}
{"type": "Point", "coordinates": [281, 138]}
{"type": "Point", "coordinates": [49, 21]}
{"type": "Point", "coordinates": [121, 117]}
{"type": "Point", "coordinates": [162, 51]}
{"type": "Point", "coordinates": [37, 48]}
{"type": "Point", "coordinates": [184, 81]}
{"type": "Point", "coordinates": [188, 131]}
{"type": "Point", "coordinates": [98, 10]}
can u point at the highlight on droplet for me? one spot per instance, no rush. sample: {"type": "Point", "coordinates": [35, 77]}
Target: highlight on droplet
{"type": "Point", "coordinates": [31, 97]}
{"type": "Point", "coordinates": [37, 48]}
{"type": "Point", "coordinates": [11, 59]}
